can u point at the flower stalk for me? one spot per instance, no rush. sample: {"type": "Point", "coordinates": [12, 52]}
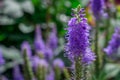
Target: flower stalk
{"type": "Point", "coordinates": [41, 72]}
{"type": "Point", "coordinates": [78, 68]}
{"type": "Point", "coordinates": [107, 32]}
{"type": "Point", "coordinates": [97, 62]}
{"type": "Point", "coordinates": [66, 74]}
{"type": "Point", "coordinates": [57, 73]}
{"type": "Point", "coordinates": [27, 67]}
{"type": "Point", "coordinates": [85, 72]}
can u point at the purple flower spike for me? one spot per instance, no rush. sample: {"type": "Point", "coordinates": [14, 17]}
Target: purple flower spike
{"type": "Point", "coordinates": [26, 45]}
{"type": "Point", "coordinates": [78, 39]}
{"type": "Point", "coordinates": [50, 76]}
{"type": "Point", "coordinates": [37, 61]}
{"type": "Point", "coordinates": [58, 63]}
{"type": "Point", "coordinates": [114, 43]}
{"type": "Point", "coordinates": [52, 39]}
{"type": "Point", "coordinates": [38, 42]}
{"type": "Point", "coordinates": [48, 54]}
{"type": "Point", "coordinates": [2, 61]}
{"type": "Point", "coordinates": [97, 8]}
{"type": "Point", "coordinates": [17, 74]}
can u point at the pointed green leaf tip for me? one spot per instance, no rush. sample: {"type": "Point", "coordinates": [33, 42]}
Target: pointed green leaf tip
{"type": "Point", "coordinates": [78, 8]}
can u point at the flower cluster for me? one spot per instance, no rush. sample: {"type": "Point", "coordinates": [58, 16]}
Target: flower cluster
{"type": "Point", "coordinates": [78, 38]}
{"type": "Point", "coordinates": [114, 43]}
{"type": "Point", "coordinates": [52, 39]}
{"type": "Point", "coordinates": [17, 75]}
{"type": "Point", "coordinates": [38, 42]}
{"type": "Point", "coordinates": [97, 8]}
{"type": "Point", "coordinates": [26, 46]}
{"type": "Point", "coordinates": [58, 63]}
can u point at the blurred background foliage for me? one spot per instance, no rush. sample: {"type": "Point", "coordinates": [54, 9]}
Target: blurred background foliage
{"type": "Point", "coordinates": [19, 17]}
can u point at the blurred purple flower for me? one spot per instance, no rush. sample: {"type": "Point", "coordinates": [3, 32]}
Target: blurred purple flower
{"type": "Point", "coordinates": [17, 75]}
{"type": "Point", "coordinates": [39, 62]}
{"type": "Point", "coordinates": [114, 43]}
{"type": "Point", "coordinates": [58, 63]}
{"type": "Point", "coordinates": [26, 45]}
{"type": "Point", "coordinates": [50, 76]}
{"type": "Point", "coordinates": [97, 8]}
{"type": "Point", "coordinates": [48, 53]}
{"type": "Point", "coordinates": [78, 39]}
{"type": "Point", "coordinates": [52, 41]}
{"type": "Point", "coordinates": [38, 42]}
{"type": "Point", "coordinates": [2, 61]}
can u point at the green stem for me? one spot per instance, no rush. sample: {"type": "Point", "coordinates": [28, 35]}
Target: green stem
{"type": "Point", "coordinates": [40, 72]}
{"type": "Point", "coordinates": [97, 62]}
{"type": "Point", "coordinates": [66, 73]}
{"type": "Point", "coordinates": [107, 33]}
{"type": "Point", "coordinates": [57, 73]}
{"type": "Point", "coordinates": [85, 72]}
{"type": "Point", "coordinates": [27, 67]}
{"type": "Point", "coordinates": [78, 68]}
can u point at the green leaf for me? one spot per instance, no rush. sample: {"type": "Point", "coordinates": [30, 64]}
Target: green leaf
{"type": "Point", "coordinates": [11, 53]}
{"type": "Point", "coordinates": [2, 37]}
{"type": "Point", "coordinates": [112, 69]}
